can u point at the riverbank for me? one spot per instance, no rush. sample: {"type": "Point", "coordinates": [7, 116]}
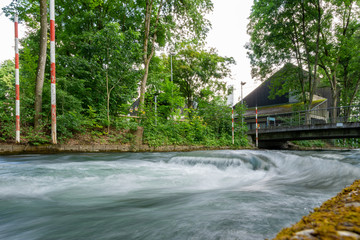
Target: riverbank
{"type": "Point", "coordinates": [12, 148]}
{"type": "Point", "coordinates": [92, 148]}
{"type": "Point", "coordinates": [337, 218]}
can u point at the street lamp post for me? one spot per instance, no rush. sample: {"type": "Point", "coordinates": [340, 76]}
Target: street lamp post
{"type": "Point", "coordinates": [242, 104]}
{"type": "Point", "coordinates": [242, 84]}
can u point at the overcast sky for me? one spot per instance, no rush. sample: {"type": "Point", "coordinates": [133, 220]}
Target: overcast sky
{"type": "Point", "coordinates": [229, 23]}
{"type": "Point", "coordinates": [229, 20]}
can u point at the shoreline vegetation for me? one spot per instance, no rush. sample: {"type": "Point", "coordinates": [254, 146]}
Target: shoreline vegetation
{"type": "Point", "coordinates": [136, 143]}
{"type": "Point", "coordinates": [136, 140]}
{"type": "Point", "coordinates": [191, 135]}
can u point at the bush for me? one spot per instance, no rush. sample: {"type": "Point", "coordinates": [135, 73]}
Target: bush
{"type": "Point", "coordinates": [310, 143]}
{"type": "Point", "coordinates": [69, 123]}
{"type": "Point", "coordinates": [123, 123]}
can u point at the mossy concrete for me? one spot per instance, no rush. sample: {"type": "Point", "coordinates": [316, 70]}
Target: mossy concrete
{"type": "Point", "coordinates": [337, 218]}
{"type": "Point", "coordinates": [91, 148]}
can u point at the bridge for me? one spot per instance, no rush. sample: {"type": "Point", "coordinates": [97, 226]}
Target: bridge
{"type": "Point", "coordinates": [308, 125]}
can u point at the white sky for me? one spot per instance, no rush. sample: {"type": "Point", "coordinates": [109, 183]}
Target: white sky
{"type": "Point", "coordinates": [228, 35]}
{"type": "Point", "coordinates": [7, 41]}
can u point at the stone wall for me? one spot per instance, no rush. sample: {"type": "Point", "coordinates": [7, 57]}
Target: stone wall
{"type": "Point", "coordinates": [62, 148]}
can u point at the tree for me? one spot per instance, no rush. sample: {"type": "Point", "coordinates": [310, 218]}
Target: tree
{"type": "Point", "coordinates": [96, 32]}
{"type": "Point", "coordinates": [7, 82]}
{"type": "Point", "coordinates": [164, 18]}
{"type": "Point", "coordinates": [117, 51]}
{"type": "Point", "coordinates": [349, 72]}
{"type": "Point", "coordinates": [7, 99]}
{"type": "Point", "coordinates": [287, 31]}
{"type": "Point", "coordinates": [168, 93]}
{"type": "Point", "coordinates": [32, 12]}
{"type": "Point", "coordinates": [316, 35]}
{"type": "Point", "coordinates": [335, 52]}
{"type": "Point", "coordinates": [40, 72]}
{"type": "Point", "coordinates": [197, 70]}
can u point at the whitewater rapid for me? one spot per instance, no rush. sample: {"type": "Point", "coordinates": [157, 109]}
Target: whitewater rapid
{"type": "Point", "coordinates": [196, 195]}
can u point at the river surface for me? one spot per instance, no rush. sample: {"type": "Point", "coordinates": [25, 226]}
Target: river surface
{"type": "Point", "coordinates": [195, 195]}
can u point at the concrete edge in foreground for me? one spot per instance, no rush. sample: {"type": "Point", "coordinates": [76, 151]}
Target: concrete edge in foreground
{"type": "Point", "coordinates": [337, 218]}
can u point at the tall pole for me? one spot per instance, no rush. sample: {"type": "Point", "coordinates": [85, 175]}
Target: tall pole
{"type": "Point", "coordinates": [52, 72]}
{"type": "Point", "coordinates": [242, 84]}
{"type": "Point", "coordinates": [17, 81]}
{"type": "Point", "coordinates": [242, 106]}
{"type": "Point", "coordinates": [257, 128]}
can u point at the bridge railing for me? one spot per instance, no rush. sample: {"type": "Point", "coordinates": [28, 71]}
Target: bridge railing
{"type": "Point", "coordinates": [312, 117]}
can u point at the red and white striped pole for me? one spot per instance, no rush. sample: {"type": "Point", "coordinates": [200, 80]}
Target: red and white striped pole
{"type": "Point", "coordinates": [17, 81]}
{"type": "Point", "coordinates": [232, 116]}
{"type": "Point", "coordinates": [257, 127]}
{"type": "Point", "coordinates": [52, 72]}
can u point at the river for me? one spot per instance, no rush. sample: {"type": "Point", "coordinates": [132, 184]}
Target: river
{"type": "Point", "coordinates": [195, 195]}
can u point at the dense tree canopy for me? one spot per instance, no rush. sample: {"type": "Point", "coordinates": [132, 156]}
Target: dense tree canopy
{"type": "Point", "coordinates": [106, 58]}
{"type": "Point", "coordinates": [319, 37]}
{"type": "Point", "coordinates": [199, 71]}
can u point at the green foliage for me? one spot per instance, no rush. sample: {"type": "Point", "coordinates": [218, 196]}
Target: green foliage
{"type": "Point", "coordinates": [176, 133]}
{"type": "Point", "coordinates": [207, 126]}
{"type": "Point", "coordinates": [99, 56]}
{"type": "Point", "coordinates": [7, 128]}
{"type": "Point", "coordinates": [348, 143]}
{"type": "Point", "coordinates": [95, 119]}
{"type": "Point", "coordinates": [196, 70]}
{"type": "Point", "coordinates": [68, 124]}
{"type": "Point", "coordinates": [123, 123]}
{"type": "Point", "coordinates": [310, 143]}
{"type": "Point", "coordinates": [36, 138]}
{"type": "Point", "coordinates": [7, 100]}
{"type": "Point", "coordinates": [321, 37]}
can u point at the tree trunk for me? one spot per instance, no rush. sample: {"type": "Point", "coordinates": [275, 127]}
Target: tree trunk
{"type": "Point", "coordinates": [143, 88]}
{"type": "Point", "coordinates": [146, 55]}
{"type": "Point", "coordinates": [41, 63]}
{"type": "Point", "coordinates": [334, 112]}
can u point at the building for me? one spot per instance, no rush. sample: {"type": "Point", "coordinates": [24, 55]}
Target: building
{"type": "Point", "coordinates": [277, 106]}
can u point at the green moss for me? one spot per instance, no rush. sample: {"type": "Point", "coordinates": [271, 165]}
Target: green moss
{"type": "Point", "coordinates": [331, 217]}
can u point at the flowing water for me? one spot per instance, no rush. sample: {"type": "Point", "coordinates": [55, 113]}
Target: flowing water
{"type": "Point", "coordinates": [196, 195]}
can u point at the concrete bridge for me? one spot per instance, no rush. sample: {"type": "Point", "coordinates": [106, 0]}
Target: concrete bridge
{"type": "Point", "coordinates": [276, 136]}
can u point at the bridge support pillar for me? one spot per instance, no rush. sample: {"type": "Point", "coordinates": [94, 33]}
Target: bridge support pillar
{"type": "Point", "coordinates": [273, 145]}
{"type": "Point", "coordinates": [270, 144]}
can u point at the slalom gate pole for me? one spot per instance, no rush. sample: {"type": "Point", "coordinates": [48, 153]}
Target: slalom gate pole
{"type": "Point", "coordinates": [52, 72]}
{"type": "Point", "coordinates": [257, 127]}
{"type": "Point", "coordinates": [17, 81]}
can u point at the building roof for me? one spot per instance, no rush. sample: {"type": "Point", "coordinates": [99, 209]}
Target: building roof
{"type": "Point", "coordinates": [282, 108]}
{"type": "Point", "coordinates": [263, 95]}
